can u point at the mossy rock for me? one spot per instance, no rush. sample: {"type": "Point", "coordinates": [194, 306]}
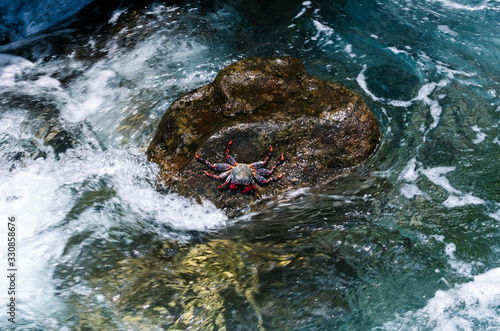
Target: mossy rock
{"type": "Point", "coordinates": [320, 127]}
{"type": "Point", "coordinates": [219, 284]}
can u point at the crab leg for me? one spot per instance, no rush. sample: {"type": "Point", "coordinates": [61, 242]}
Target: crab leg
{"type": "Point", "coordinates": [216, 166]}
{"type": "Point", "coordinates": [264, 181]}
{"type": "Point", "coordinates": [228, 180]}
{"type": "Point", "coordinates": [266, 172]}
{"type": "Point", "coordinates": [229, 158]}
{"type": "Point", "coordinates": [262, 164]}
{"type": "Point", "coordinates": [263, 171]}
{"type": "Point", "coordinates": [254, 188]}
{"type": "Point", "coordinates": [249, 188]}
{"type": "Point", "coordinates": [280, 162]}
{"type": "Point", "coordinates": [222, 176]}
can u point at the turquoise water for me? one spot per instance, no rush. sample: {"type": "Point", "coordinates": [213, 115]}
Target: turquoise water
{"type": "Point", "coordinates": [407, 241]}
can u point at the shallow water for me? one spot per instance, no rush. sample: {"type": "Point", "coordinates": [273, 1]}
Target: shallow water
{"type": "Point", "coordinates": [408, 240]}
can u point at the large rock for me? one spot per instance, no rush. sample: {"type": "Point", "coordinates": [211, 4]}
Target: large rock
{"type": "Point", "coordinates": [320, 128]}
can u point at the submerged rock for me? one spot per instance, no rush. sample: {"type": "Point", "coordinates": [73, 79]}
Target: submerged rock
{"type": "Point", "coordinates": [219, 284]}
{"type": "Point", "coordinates": [320, 127]}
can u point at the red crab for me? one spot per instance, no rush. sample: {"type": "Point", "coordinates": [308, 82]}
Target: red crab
{"type": "Point", "coordinates": [241, 174]}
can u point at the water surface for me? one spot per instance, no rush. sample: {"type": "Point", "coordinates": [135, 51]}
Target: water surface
{"type": "Point", "coordinates": [408, 240]}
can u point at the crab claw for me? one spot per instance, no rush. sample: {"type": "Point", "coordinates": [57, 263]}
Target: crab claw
{"type": "Point", "coordinates": [232, 187]}
{"type": "Point", "coordinates": [247, 189]}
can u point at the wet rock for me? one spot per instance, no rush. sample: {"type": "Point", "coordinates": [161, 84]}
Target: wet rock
{"type": "Point", "coordinates": [219, 284]}
{"type": "Point", "coordinates": [320, 127]}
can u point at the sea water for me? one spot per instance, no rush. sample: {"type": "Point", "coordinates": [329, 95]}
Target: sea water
{"type": "Point", "coordinates": [409, 240]}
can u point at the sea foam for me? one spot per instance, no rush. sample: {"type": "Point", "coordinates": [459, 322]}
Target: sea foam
{"type": "Point", "coordinates": [469, 306]}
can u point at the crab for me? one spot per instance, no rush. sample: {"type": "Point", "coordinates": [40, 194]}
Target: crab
{"type": "Point", "coordinates": [241, 174]}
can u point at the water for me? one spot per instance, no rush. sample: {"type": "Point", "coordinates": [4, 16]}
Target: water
{"type": "Point", "coordinates": [409, 240]}
{"type": "Point", "coordinates": [22, 18]}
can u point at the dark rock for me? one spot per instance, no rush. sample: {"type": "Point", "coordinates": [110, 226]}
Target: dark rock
{"type": "Point", "coordinates": [320, 128]}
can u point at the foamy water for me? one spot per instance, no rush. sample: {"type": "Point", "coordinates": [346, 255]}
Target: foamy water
{"type": "Point", "coordinates": [104, 182]}
{"type": "Point", "coordinates": [469, 306]}
{"type": "Point", "coordinates": [53, 202]}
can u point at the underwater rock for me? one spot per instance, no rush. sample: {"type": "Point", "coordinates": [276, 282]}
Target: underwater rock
{"type": "Point", "coordinates": [218, 284]}
{"type": "Point", "coordinates": [320, 127]}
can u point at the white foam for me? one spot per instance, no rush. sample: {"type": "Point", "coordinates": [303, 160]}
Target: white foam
{"type": "Point", "coordinates": [411, 190]}
{"type": "Point", "coordinates": [444, 68]}
{"type": "Point", "coordinates": [400, 103]}
{"type": "Point", "coordinates": [463, 268]}
{"type": "Point", "coordinates": [447, 29]}
{"type": "Point", "coordinates": [92, 98]}
{"type": "Point", "coordinates": [8, 60]}
{"type": "Point", "coordinates": [348, 50]}
{"type": "Point", "coordinates": [410, 173]}
{"type": "Point", "coordinates": [481, 136]}
{"type": "Point", "coordinates": [495, 215]}
{"type": "Point", "coordinates": [302, 12]}
{"type": "Point", "coordinates": [169, 209]}
{"type": "Point", "coordinates": [436, 111]}
{"type": "Point", "coordinates": [462, 200]}
{"type": "Point", "coordinates": [435, 175]}
{"type": "Point", "coordinates": [469, 306]}
{"type": "Point", "coordinates": [48, 82]}
{"type": "Point", "coordinates": [459, 6]}
{"type": "Point", "coordinates": [297, 192]}
{"type": "Point", "coordinates": [116, 15]}
{"type": "Point", "coordinates": [397, 51]}
{"type": "Point", "coordinates": [423, 95]}
{"type": "Point", "coordinates": [10, 67]}
{"type": "Point", "coordinates": [42, 193]}
{"type": "Point", "coordinates": [322, 29]}
{"type": "Point", "coordinates": [361, 79]}
{"type": "Point", "coordinates": [99, 98]}
{"type": "Point", "coordinates": [48, 197]}
{"type": "Point", "coordinates": [42, 190]}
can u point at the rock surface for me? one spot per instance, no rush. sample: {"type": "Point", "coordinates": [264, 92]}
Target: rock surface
{"type": "Point", "coordinates": [320, 127]}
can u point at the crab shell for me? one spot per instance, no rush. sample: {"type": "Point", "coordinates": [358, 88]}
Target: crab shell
{"type": "Point", "coordinates": [242, 174]}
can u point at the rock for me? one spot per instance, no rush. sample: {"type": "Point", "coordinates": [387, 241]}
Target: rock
{"type": "Point", "coordinates": [320, 127]}
{"type": "Point", "coordinates": [218, 284]}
